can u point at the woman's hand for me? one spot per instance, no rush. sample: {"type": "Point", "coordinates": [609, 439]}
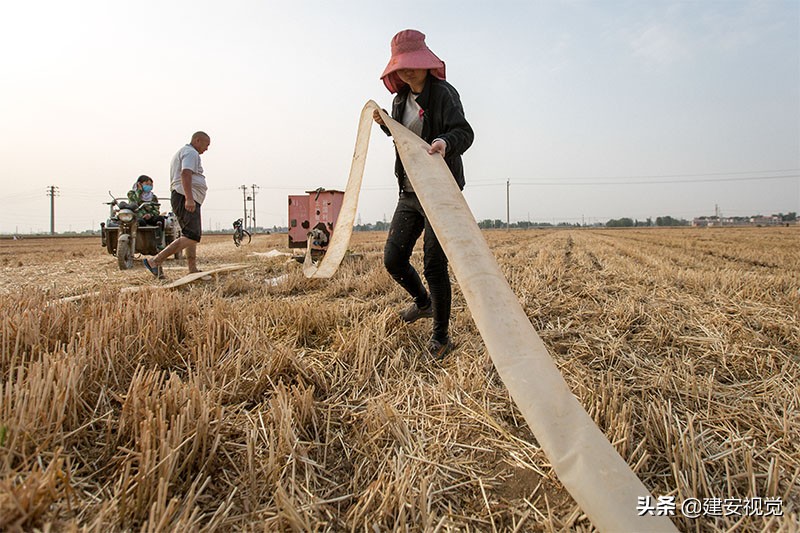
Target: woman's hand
{"type": "Point", "coordinates": [438, 147]}
{"type": "Point", "coordinates": [376, 116]}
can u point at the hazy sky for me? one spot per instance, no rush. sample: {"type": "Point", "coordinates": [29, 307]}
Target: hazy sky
{"type": "Point", "coordinates": [592, 110]}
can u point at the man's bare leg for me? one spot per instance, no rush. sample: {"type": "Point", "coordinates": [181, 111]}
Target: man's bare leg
{"type": "Point", "coordinates": [181, 243]}
{"type": "Point", "coordinates": [191, 257]}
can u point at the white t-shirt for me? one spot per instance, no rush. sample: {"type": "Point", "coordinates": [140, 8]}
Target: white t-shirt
{"type": "Point", "coordinates": [188, 158]}
{"type": "Point", "coordinates": [412, 119]}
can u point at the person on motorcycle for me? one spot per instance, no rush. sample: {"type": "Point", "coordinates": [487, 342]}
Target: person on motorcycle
{"type": "Point", "coordinates": [149, 215]}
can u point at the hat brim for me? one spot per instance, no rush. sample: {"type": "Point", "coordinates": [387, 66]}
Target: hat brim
{"type": "Point", "coordinates": [417, 59]}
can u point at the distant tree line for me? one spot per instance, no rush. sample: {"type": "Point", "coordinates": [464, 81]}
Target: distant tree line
{"type": "Point", "coordinates": [660, 221]}
{"type": "Point", "coordinates": [625, 222]}
{"type": "Point", "coordinates": [522, 224]}
{"type": "Point", "coordinates": [376, 226]}
{"type": "Point", "coordinates": [613, 223]}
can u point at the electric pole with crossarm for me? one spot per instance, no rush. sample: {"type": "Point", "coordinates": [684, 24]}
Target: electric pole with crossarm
{"type": "Point", "coordinates": [52, 192]}
{"type": "Point", "coordinates": [253, 197]}
{"type": "Point", "coordinates": [244, 203]}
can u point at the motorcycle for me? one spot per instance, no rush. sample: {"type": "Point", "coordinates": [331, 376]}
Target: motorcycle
{"type": "Point", "coordinates": [124, 237]}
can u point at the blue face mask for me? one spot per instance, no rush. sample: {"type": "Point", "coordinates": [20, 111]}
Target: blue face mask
{"type": "Point", "coordinates": [147, 188]}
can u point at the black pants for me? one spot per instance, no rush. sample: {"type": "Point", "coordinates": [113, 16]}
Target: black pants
{"type": "Point", "coordinates": [153, 221]}
{"type": "Point", "coordinates": [408, 223]}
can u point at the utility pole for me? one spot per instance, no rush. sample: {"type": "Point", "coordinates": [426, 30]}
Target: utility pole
{"type": "Point", "coordinates": [254, 188]}
{"type": "Point", "coordinates": [244, 202]}
{"type": "Point", "coordinates": [508, 209]}
{"type": "Point", "coordinates": [52, 192]}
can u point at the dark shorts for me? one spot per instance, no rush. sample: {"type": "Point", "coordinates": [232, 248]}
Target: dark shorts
{"type": "Point", "coordinates": [191, 223]}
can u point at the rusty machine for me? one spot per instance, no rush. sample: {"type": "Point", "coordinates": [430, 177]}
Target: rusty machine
{"type": "Point", "coordinates": [312, 216]}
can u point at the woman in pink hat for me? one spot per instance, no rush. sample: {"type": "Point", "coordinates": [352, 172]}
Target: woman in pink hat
{"type": "Point", "coordinates": [430, 107]}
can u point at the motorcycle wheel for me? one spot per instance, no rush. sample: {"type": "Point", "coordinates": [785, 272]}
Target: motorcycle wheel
{"type": "Point", "coordinates": [246, 236]}
{"type": "Point", "coordinates": [124, 252]}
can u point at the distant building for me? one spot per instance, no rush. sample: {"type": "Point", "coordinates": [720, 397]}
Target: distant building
{"type": "Point", "coordinates": [772, 220]}
{"type": "Point", "coordinates": [757, 220]}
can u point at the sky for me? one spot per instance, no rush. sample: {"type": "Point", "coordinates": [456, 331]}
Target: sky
{"type": "Point", "coordinates": [583, 111]}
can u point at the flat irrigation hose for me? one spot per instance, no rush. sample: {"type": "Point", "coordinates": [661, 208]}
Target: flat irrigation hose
{"type": "Point", "coordinates": [188, 278]}
{"type": "Point", "coordinates": [593, 472]}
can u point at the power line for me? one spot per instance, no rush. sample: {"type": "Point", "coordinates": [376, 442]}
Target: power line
{"type": "Point", "coordinates": [640, 182]}
{"type": "Point", "coordinates": [693, 175]}
{"type": "Point", "coordinates": [23, 196]}
{"type": "Point", "coordinates": [648, 182]}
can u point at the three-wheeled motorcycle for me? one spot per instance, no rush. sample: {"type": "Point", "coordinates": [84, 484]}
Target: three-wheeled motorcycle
{"type": "Point", "coordinates": [124, 237]}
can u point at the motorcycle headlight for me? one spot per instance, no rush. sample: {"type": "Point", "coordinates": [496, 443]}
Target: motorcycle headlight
{"type": "Point", "coordinates": [125, 215]}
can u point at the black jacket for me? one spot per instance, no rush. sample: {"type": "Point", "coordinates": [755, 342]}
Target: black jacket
{"type": "Point", "coordinates": [443, 118]}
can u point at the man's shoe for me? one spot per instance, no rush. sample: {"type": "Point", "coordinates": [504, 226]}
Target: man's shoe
{"type": "Point", "coordinates": [413, 313]}
{"type": "Point", "coordinates": [154, 270]}
{"type": "Point", "coordinates": [207, 277]}
{"type": "Point", "coordinates": [438, 350]}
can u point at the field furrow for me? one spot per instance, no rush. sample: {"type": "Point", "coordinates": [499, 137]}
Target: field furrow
{"type": "Point", "coordinates": [262, 400]}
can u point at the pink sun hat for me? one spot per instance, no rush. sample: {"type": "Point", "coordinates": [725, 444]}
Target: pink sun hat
{"type": "Point", "coordinates": [410, 51]}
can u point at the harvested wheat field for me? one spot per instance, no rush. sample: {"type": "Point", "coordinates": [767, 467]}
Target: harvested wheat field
{"type": "Point", "coordinates": [247, 403]}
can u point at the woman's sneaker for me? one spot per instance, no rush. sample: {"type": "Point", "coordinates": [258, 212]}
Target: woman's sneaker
{"type": "Point", "coordinates": [438, 350]}
{"type": "Point", "coordinates": [413, 313]}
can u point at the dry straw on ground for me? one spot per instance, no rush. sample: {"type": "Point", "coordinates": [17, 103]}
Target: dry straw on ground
{"type": "Point", "coordinates": [241, 405]}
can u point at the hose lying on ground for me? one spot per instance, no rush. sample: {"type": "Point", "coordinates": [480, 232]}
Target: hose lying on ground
{"type": "Point", "coordinates": [589, 467]}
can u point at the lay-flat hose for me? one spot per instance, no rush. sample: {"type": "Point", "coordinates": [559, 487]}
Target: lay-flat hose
{"type": "Point", "coordinates": [593, 472]}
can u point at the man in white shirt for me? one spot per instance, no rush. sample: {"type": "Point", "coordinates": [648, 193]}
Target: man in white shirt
{"type": "Point", "coordinates": [188, 185]}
